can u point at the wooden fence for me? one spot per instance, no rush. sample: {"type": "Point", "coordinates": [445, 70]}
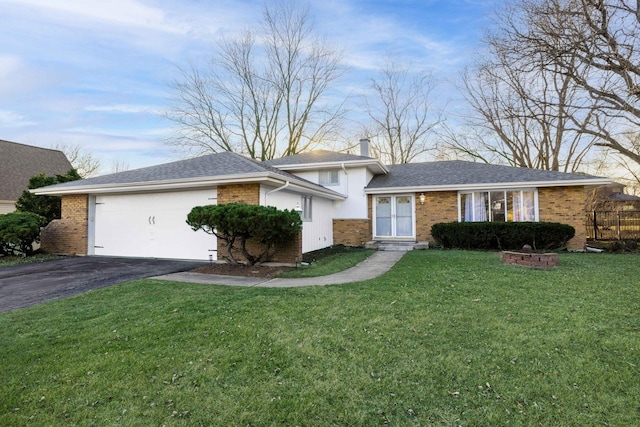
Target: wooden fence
{"type": "Point", "coordinates": [613, 225]}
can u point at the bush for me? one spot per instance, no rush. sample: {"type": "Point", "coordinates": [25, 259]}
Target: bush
{"type": "Point", "coordinates": [502, 235]}
{"type": "Point", "coordinates": [46, 206]}
{"type": "Point", "coordinates": [18, 232]}
{"type": "Point", "coordinates": [238, 223]}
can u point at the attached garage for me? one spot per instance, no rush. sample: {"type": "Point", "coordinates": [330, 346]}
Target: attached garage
{"type": "Point", "coordinates": [149, 225]}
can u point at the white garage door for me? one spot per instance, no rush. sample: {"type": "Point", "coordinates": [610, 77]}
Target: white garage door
{"type": "Point", "coordinates": [152, 225]}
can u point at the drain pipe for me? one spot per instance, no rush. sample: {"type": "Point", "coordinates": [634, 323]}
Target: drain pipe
{"type": "Point", "coordinates": [273, 191]}
{"type": "Point", "coordinates": [347, 178]}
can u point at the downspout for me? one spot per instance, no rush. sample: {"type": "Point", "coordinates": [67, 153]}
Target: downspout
{"type": "Point", "coordinates": [273, 191]}
{"type": "Point", "coordinates": [347, 175]}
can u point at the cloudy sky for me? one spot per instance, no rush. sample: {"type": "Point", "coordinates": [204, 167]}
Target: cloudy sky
{"type": "Point", "coordinates": [96, 73]}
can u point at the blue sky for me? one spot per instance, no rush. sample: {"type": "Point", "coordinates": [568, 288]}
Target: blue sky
{"type": "Point", "coordinates": [97, 73]}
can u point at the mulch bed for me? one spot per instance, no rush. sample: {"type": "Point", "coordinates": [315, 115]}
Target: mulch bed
{"type": "Point", "coordinates": [241, 270]}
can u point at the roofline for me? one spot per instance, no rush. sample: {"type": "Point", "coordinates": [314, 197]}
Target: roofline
{"type": "Point", "coordinates": [326, 165]}
{"type": "Point", "coordinates": [490, 186]}
{"type": "Point", "coordinates": [190, 183]}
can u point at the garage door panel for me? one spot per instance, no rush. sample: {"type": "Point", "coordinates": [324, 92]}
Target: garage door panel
{"type": "Point", "coordinates": [152, 225]}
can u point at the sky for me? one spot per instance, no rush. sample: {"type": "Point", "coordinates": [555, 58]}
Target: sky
{"type": "Point", "coordinates": [97, 74]}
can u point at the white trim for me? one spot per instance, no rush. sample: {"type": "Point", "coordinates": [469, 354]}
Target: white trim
{"type": "Point", "coordinates": [490, 186]}
{"type": "Point", "coordinates": [375, 164]}
{"type": "Point", "coordinates": [192, 183]}
{"type": "Point", "coordinates": [536, 206]}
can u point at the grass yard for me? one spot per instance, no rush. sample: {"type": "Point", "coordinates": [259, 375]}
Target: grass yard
{"type": "Point", "coordinates": [446, 338]}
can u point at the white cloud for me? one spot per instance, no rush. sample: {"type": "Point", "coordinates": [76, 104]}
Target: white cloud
{"type": "Point", "coordinates": [12, 119]}
{"type": "Point", "coordinates": [124, 109]}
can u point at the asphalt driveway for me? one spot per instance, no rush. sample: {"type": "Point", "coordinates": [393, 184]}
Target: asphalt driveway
{"type": "Point", "coordinates": [28, 284]}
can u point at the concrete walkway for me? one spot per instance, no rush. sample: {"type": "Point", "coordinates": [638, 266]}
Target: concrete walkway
{"type": "Point", "coordinates": [374, 266]}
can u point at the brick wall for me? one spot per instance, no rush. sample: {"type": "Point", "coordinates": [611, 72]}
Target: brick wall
{"type": "Point", "coordinates": [289, 253]}
{"type": "Point", "coordinates": [68, 235]}
{"type": "Point", "coordinates": [351, 232]}
{"type": "Point", "coordinates": [567, 206]}
{"type": "Point", "coordinates": [440, 206]}
{"type": "Point", "coordinates": [236, 193]}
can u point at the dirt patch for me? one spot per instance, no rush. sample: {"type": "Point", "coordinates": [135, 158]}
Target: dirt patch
{"type": "Point", "coordinates": [241, 270]}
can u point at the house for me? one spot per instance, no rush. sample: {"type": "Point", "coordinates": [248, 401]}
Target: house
{"type": "Point", "coordinates": [18, 163]}
{"type": "Point", "coordinates": [613, 198]}
{"type": "Point", "coordinates": [344, 199]}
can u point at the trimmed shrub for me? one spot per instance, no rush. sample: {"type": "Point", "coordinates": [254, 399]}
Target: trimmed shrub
{"type": "Point", "coordinates": [237, 223]}
{"type": "Point", "coordinates": [18, 232]}
{"type": "Point", "coordinates": [502, 235]}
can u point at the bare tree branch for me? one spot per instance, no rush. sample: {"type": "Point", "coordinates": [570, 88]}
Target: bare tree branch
{"type": "Point", "coordinates": [264, 94]}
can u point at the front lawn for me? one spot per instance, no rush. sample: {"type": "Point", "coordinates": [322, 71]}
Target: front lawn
{"type": "Point", "coordinates": [445, 338]}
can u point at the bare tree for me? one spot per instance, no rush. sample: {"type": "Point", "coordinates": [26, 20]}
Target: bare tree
{"type": "Point", "coordinates": [119, 165]}
{"type": "Point", "coordinates": [85, 163]}
{"type": "Point", "coordinates": [264, 94]}
{"type": "Point", "coordinates": [524, 116]}
{"type": "Point", "coordinates": [402, 116]}
{"type": "Point", "coordinates": [595, 44]}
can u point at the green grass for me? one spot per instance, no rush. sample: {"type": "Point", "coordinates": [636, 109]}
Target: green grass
{"type": "Point", "coordinates": [445, 338]}
{"type": "Point", "coordinates": [329, 264]}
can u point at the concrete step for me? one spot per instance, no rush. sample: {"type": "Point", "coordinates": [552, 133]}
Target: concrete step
{"type": "Point", "coordinates": [396, 246]}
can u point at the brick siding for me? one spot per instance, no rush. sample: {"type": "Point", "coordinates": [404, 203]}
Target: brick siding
{"type": "Point", "coordinates": [68, 235]}
{"type": "Point", "coordinates": [440, 206]}
{"type": "Point", "coordinates": [351, 232]}
{"type": "Point", "coordinates": [567, 206]}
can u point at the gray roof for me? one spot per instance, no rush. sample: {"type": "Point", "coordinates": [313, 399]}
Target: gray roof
{"type": "Point", "coordinates": [316, 156]}
{"type": "Point", "coordinates": [460, 173]}
{"type": "Point", "coordinates": [212, 165]}
{"type": "Point", "coordinates": [19, 162]}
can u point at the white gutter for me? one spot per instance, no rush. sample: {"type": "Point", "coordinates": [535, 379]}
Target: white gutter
{"type": "Point", "coordinates": [266, 195]}
{"type": "Point", "coordinates": [488, 186]}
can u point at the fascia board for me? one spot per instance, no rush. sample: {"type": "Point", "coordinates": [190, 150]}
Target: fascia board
{"type": "Point", "coordinates": [189, 183]}
{"type": "Point", "coordinates": [377, 165]}
{"type": "Point", "coordinates": [491, 186]}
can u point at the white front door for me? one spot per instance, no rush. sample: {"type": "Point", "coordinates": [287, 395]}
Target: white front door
{"type": "Point", "coordinates": [393, 217]}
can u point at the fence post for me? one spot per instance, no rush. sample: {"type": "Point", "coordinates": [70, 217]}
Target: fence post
{"type": "Point", "coordinates": [618, 224]}
{"type": "Point", "coordinates": [595, 226]}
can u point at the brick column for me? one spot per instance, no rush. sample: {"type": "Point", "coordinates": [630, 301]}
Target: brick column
{"type": "Point", "coordinates": [69, 234]}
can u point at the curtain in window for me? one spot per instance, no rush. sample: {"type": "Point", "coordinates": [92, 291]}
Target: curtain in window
{"type": "Point", "coordinates": [480, 213]}
{"type": "Point", "coordinates": [468, 207]}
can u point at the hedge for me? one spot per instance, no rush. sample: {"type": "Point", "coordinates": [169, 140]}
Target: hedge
{"type": "Point", "coordinates": [502, 235]}
{"type": "Point", "coordinates": [18, 232]}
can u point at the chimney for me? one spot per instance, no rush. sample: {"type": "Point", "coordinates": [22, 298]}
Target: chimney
{"type": "Point", "coordinates": [364, 147]}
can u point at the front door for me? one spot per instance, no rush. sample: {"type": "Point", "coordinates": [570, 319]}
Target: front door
{"type": "Point", "coordinates": [394, 217]}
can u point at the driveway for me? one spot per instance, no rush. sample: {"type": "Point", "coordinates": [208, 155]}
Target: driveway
{"type": "Point", "coordinates": [29, 284]}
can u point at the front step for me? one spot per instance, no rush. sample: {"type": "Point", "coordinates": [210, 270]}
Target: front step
{"type": "Point", "coordinates": [396, 246]}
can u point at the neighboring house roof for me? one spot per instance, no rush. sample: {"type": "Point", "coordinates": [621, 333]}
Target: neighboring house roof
{"type": "Point", "coordinates": [622, 197]}
{"type": "Point", "coordinates": [324, 159]}
{"type": "Point", "coordinates": [19, 162]}
{"type": "Point", "coordinates": [463, 175]}
{"type": "Point", "coordinates": [212, 169]}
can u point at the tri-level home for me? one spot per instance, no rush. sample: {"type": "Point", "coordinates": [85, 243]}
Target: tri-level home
{"type": "Point", "coordinates": [343, 199]}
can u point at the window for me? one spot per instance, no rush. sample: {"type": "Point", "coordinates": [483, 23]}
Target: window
{"type": "Point", "coordinates": [329, 177]}
{"type": "Point", "coordinates": [306, 208]}
{"type": "Point", "coordinates": [501, 205]}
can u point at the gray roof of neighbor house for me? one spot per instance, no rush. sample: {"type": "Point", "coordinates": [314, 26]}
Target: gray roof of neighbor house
{"type": "Point", "coordinates": [19, 162]}
{"type": "Point", "coordinates": [209, 167]}
{"type": "Point", "coordinates": [462, 174]}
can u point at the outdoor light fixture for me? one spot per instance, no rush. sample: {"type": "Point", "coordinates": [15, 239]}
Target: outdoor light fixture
{"type": "Point", "coordinates": [298, 209]}
{"type": "Point", "coordinates": [422, 198]}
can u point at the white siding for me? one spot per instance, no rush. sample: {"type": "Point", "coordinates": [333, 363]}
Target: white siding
{"type": "Point", "coordinates": [317, 233]}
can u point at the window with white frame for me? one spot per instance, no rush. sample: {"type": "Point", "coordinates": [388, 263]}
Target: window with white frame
{"type": "Point", "coordinates": [306, 208]}
{"type": "Point", "coordinates": [329, 177]}
{"type": "Point", "coordinates": [498, 205]}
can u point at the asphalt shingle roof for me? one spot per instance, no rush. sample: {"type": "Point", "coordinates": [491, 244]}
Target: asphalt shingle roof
{"type": "Point", "coordinates": [457, 172]}
{"type": "Point", "coordinates": [316, 156]}
{"type": "Point", "coordinates": [212, 165]}
{"type": "Point", "coordinates": [19, 162]}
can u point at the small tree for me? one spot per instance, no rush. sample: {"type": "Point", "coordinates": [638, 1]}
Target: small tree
{"type": "Point", "coordinates": [18, 232]}
{"type": "Point", "coordinates": [237, 223]}
{"type": "Point", "coordinates": [46, 206]}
